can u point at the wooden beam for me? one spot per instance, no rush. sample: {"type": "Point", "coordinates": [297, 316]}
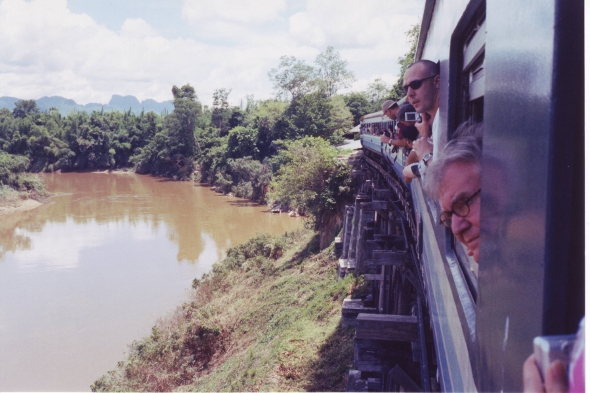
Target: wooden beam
{"type": "Point", "coordinates": [389, 238]}
{"type": "Point", "coordinates": [387, 327]}
{"type": "Point", "coordinates": [382, 193]}
{"type": "Point", "coordinates": [403, 379]}
{"type": "Point", "coordinates": [374, 277]}
{"type": "Point", "coordinates": [389, 258]}
{"type": "Point", "coordinates": [351, 308]}
{"type": "Point", "coordinates": [380, 205]}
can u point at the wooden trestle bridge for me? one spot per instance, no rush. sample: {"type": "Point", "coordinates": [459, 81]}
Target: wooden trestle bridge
{"type": "Point", "coordinates": [392, 342]}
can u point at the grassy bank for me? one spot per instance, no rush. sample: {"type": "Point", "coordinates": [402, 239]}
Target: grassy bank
{"type": "Point", "coordinates": [266, 318]}
{"type": "Point", "coordinates": [16, 185]}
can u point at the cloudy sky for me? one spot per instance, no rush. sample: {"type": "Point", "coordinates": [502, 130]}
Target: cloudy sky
{"type": "Point", "coordinates": [89, 50]}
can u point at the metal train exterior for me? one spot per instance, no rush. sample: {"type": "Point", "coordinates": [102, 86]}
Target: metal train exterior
{"type": "Point", "coordinates": [519, 68]}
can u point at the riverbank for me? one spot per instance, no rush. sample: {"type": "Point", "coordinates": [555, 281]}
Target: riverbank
{"type": "Point", "coordinates": [21, 201]}
{"type": "Point", "coordinates": [266, 318]}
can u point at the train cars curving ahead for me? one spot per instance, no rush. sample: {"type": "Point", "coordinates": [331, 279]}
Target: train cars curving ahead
{"type": "Point", "coordinates": [518, 67]}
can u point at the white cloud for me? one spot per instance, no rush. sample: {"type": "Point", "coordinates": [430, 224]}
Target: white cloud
{"type": "Point", "coordinates": [235, 11]}
{"type": "Point", "coordinates": [137, 28]}
{"type": "Point", "coordinates": [59, 244]}
{"type": "Point", "coordinates": [356, 24]}
{"type": "Point", "coordinates": [48, 50]}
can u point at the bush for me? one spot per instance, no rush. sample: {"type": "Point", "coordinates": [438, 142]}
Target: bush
{"type": "Point", "coordinates": [311, 179]}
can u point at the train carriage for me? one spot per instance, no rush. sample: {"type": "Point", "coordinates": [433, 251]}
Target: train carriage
{"type": "Point", "coordinates": [518, 67]}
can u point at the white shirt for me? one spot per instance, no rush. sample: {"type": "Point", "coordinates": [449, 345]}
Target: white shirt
{"type": "Point", "coordinates": [437, 143]}
{"type": "Point", "coordinates": [437, 138]}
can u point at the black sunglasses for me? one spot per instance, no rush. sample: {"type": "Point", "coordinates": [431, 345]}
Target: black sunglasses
{"type": "Point", "coordinates": [460, 208]}
{"type": "Point", "coordinates": [416, 84]}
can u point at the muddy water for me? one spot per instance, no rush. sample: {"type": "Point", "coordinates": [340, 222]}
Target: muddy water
{"type": "Point", "coordinates": [84, 276]}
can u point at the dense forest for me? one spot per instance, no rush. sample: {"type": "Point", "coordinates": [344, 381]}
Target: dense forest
{"type": "Point", "coordinates": [280, 149]}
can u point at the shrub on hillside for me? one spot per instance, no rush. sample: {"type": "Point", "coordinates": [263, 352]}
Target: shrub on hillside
{"type": "Point", "coordinates": [311, 180]}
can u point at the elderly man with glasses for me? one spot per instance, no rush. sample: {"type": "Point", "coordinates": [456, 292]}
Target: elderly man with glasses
{"type": "Point", "coordinates": [454, 179]}
{"type": "Point", "coordinates": [421, 84]}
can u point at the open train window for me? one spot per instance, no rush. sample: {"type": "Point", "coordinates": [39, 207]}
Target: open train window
{"type": "Point", "coordinates": [466, 102]}
{"type": "Point", "coordinates": [472, 75]}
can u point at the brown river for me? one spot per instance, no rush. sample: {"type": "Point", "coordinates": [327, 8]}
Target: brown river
{"type": "Point", "coordinates": [85, 275]}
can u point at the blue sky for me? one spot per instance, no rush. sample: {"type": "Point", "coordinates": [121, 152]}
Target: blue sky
{"type": "Point", "coordinates": [88, 50]}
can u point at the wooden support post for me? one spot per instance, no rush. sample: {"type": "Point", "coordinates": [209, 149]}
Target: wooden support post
{"type": "Point", "coordinates": [366, 214]}
{"type": "Point", "coordinates": [378, 355]}
{"type": "Point", "coordinates": [338, 247]}
{"type": "Point", "coordinates": [381, 290]}
{"type": "Point", "coordinates": [347, 229]}
{"type": "Point", "coordinates": [355, 383]}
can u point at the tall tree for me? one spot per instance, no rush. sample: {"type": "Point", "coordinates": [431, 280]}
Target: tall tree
{"type": "Point", "coordinates": [358, 104]}
{"type": "Point", "coordinates": [24, 108]}
{"type": "Point", "coordinates": [332, 72]}
{"type": "Point", "coordinates": [293, 78]}
{"type": "Point", "coordinates": [172, 151]}
{"type": "Point", "coordinates": [412, 35]}
{"type": "Point", "coordinates": [340, 119]}
{"type": "Point", "coordinates": [377, 92]}
{"type": "Point", "coordinates": [308, 116]}
{"type": "Point", "coordinates": [221, 113]}
{"type": "Point", "coordinates": [267, 114]}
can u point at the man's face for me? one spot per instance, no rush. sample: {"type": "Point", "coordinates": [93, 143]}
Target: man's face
{"type": "Point", "coordinates": [392, 112]}
{"type": "Point", "coordinates": [461, 181]}
{"type": "Point", "coordinates": [424, 98]}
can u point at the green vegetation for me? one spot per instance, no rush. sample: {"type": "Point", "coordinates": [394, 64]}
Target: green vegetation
{"type": "Point", "coordinates": [266, 318]}
{"type": "Point", "coordinates": [15, 182]}
{"type": "Point", "coordinates": [236, 149]}
{"type": "Point", "coordinates": [412, 35]}
{"type": "Point", "coordinates": [311, 179]}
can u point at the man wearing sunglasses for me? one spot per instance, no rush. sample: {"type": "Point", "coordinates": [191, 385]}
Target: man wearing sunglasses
{"type": "Point", "coordinates": [391, 109]}
{"type": "Point", "coordinates": [454, 179]}
{"type": "Point", "coordinates": [422, 83]}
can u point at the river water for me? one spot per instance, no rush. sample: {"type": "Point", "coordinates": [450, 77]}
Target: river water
{"type": "Point", "coordinates": [84, 276]}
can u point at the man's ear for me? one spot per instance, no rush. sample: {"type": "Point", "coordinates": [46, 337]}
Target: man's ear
{"type": "Point", "coordinates": [437, 81]}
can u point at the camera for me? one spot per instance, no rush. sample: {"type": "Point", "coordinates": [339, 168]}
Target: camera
{"type": "Point", "coordinates": [412, 116]}
{"type": "Point", "coordinates": [551, 348]}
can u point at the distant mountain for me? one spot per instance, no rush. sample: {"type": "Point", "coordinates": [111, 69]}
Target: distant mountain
{"type": "Point", "coordinates": [117, 103]}
{"type": "Point", "coordinates": [125, 102]}
{"type": "Point", "coordinates": [8, 102]}
{"type": "Point", "coordinates": [64, 105]}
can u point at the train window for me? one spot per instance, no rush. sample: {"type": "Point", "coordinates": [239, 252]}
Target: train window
{"type": "Point", "coordinates": [473, 72]}
{"type": "Point", "coordinates": [467, 74]}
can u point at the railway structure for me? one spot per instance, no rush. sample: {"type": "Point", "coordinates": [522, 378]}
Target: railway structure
{"type": "Point", "coordinates": [434, 319]}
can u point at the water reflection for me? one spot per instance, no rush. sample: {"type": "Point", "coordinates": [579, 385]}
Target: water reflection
{"type": "Point", "coordinates": [84, 276]}
{"type": "Point", "coordinates": [146, 203]}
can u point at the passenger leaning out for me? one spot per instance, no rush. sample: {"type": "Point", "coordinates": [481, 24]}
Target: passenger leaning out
{"type": "Point", "coordinates": [410, 171]}
{"type": "Point", "coordinates": [454, 180]}
{"type": "Point", "coordinates": [422, 83]}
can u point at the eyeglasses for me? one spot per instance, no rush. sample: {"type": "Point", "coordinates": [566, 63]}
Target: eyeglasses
{"type": "Point", "coordinates": [460, 208]}
{"type": "Point", "coordinates": [416, 84]}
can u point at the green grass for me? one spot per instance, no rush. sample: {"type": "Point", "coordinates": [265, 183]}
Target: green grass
{"type": "Point", "coordinates": [265, 319]}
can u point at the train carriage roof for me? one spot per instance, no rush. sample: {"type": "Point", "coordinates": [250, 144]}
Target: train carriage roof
{"type": "Point", "coordinates": [375, 117]}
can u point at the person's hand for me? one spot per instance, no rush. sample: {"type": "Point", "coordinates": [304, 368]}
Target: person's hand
{"type": "Point", "coordinates": [555, 377]}
{"type": "Point", "coordinates": [423, 128]}
{"type": "Point", "coordinates": [385, 139]}
{"type": "Point", "coordinates": [422, 146]}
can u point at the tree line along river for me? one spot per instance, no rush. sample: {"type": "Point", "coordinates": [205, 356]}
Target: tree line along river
{"type": "Point", "coordinates": [86, 274]}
